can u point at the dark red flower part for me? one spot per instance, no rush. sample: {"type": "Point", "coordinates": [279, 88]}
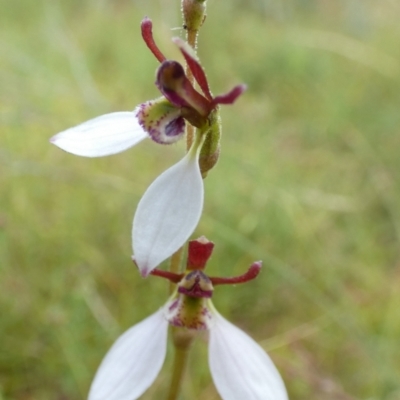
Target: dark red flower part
{"type": "Point", "coordinates": [230, 97]}
{"type": "Point", "coordinates": [194, 64]}
{"type": "Point", "coordinates": [172, 82]}
{"type": "Point", "coordinates": [197, 284]}
{"type": "Point", "coordinates": [181, 93]}
{"type": "Point", "coordinates": [251, 273]}
{"type": "Point", "coordinates": [147, 35]}
{"type": "Point", "coordinates": [170, 77]}
{"type": "Point", "coordinates": [199, 252]}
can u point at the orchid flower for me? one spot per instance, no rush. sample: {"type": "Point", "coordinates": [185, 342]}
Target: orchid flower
{"type": "Point", "coordinates": [240, 368]}
{"type": "Point", "coordinates": [163, 119]}
{"type": "Point", "coordinates": [171, 208]}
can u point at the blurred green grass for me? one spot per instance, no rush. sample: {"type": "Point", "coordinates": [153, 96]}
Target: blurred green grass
{"type": "Point", "coordinates": [308, 182]}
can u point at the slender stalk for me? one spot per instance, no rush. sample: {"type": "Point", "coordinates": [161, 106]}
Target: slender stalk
{"type": "Point", "coordinates": [180, 361]}
{"type": "Point", "coordinates": [182, 341]}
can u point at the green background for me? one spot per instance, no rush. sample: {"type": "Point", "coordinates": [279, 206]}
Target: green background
{"type": "Point", "coordinates": [308, 181]}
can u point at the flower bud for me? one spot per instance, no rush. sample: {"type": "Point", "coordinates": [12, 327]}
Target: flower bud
{"type": "Point", "coordinates": [193, 13]}
{"type": "Point", "coordinates": [209, 153]}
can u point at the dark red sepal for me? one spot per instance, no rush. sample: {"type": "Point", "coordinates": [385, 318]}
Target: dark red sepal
{"type": "Point", "coordinates": [251, 273]}
{"type": "Point", "coordinates": [147, 34]}
{"type": "Point", "coordinates": [230, 97]}
{"type": "Point", "coordinates": [194, 64]}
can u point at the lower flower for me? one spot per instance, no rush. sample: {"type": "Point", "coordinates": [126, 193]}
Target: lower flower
{"type": "Point", "coordinates": [240, 368]}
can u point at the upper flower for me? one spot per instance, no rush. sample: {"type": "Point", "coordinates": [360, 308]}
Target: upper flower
{"type": "Point", "coordinates": [239, 367]}
{"type": "Point", "coordinates": [162, 119]}
{"type": "Point", "coordinates": [171, 208]}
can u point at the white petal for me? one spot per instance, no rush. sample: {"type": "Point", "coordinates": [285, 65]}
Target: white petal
{"type": "Point", "coordinates": [102, 136]}
{"type": "Point", "coordinates": [240, 368]}
{"type": "Point", "coordinates": [167, 214]}
{"type": "Point", "coordinates": [133, 362]}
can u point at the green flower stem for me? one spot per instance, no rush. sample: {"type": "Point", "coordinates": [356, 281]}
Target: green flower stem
{"type": "Point", "coordinates": [182, 340]}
